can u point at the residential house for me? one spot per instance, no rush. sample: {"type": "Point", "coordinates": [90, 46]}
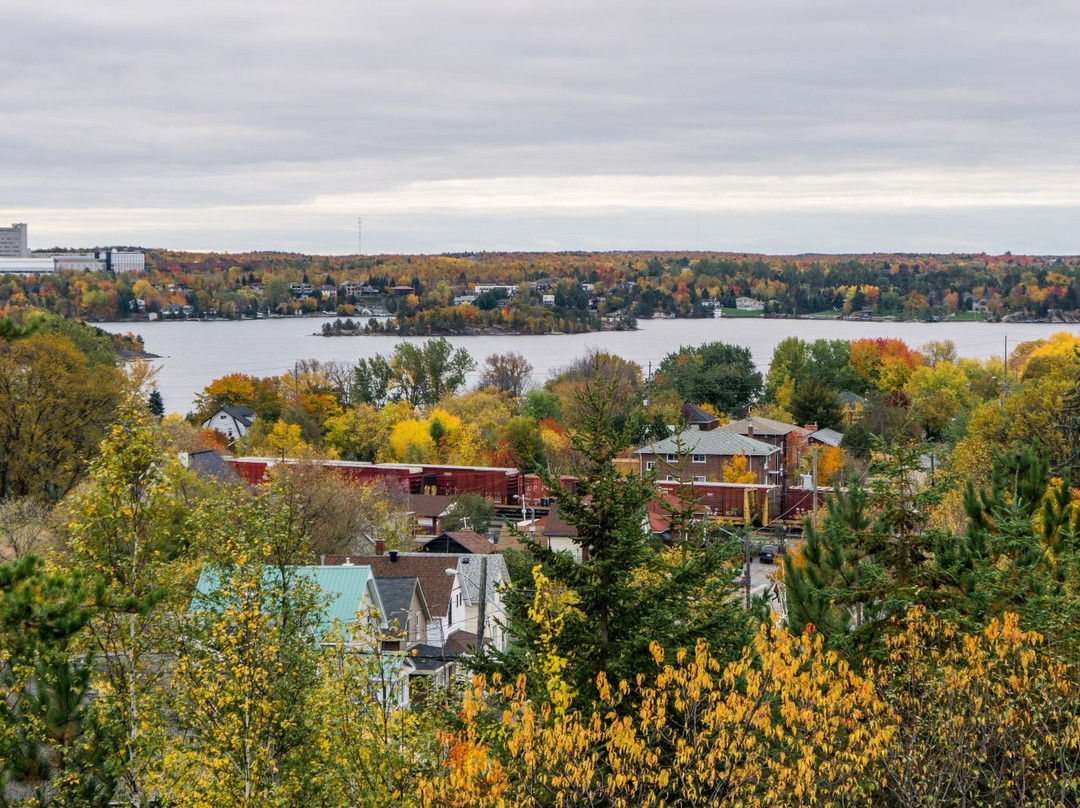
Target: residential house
{"type": "Point", "coordinates": [825, 437]}
{"type": "Point", "coordinates": [429, 510]}
{"type": "Point", "coordinates": [749, 304]}
{"type": "Point", "coordinates": [481, 288]}
{"type": "Point", "coordinates": [353, 602]}
{"type": "Point", "coordinates": [491, 569]}
{"type": "Point", "coordinates": [701, 455]}
{"type": "Point", "coordinates": [407, 613]}
{"type": "Point", "coordinates": [209, 465]}
{"type": "Point", "coordinates": [354, 610]}
{"type": "Point", "coordinates": [461, 542]}
{"type": "Point", "coordinates": [852, 403]}
{"type": "Point", "coordinates": [232, 422]}
{"type": "Point", "coordinates": [698, 418]}
{"type": "Point", "coordinates": [555, 533]}
{"type": "Point", "coordinates": [789, 439]}
{"type": "Point", "coordinates": [443, 591]}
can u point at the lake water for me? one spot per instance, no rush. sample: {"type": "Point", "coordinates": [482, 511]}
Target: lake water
{"type": "Point", "coordinates": [195, 353]}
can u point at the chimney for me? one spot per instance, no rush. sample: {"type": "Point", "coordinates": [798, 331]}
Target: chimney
{"type": "Point", "coordinates": [810, 427]}
{"type": "Point", "coordinates": [749, 430]}
{"type": "Point", "coordinates": [380, 547]}
{"type": "Point", "coordinates": [393, 556]}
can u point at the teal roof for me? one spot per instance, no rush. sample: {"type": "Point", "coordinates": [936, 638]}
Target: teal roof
{"type": "Point", "coordinates": [345, 588]}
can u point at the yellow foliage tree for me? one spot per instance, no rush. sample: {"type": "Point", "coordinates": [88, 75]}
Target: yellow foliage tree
{"type": "Point", "coordinates": [410, 442]}
{"type": "Point", "coordinates": [738, 470]}
{"type": "Point", "coordinates": [945, 719]}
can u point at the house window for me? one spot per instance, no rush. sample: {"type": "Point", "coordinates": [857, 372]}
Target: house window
{"type": "Point", "coordinates": [670, 478]}
{"type": "Point", "coordinates": [699, 478]}
{"type": "Point", "coordinates": [671, 458]}
{"type": "Point", "coordinates": [650, 465]}
{"type": "Point", "coordinates": [699, 458]}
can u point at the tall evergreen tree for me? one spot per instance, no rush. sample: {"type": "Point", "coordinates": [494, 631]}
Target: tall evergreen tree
{"type": "Point", "coordinates": [873, 556]}
{"type": "Point", "coordinates": [1020, 549]}
{"type": "Point", "coordinates": [627, 590]}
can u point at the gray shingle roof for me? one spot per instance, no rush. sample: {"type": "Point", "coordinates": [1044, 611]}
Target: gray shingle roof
{"type": "Point", "coordinates": [244, 415]}
{"type": "Point", "coordinates": [763, 426]}
{"type": "Point", "coordinates": [397, 595]}
{"type": "Point", "coordinates": [827, 436]}
{"type": "Point", "coordinates": [714, 442]}
{"type": "Point", "coordinates": [469, 568]}
{"type": "Point", "coordinates": [209, 465]}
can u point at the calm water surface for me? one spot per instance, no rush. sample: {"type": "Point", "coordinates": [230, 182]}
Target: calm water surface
{"type": "Point", "coordinates": [195, 353]}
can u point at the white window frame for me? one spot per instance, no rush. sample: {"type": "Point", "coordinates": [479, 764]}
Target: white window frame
{"type": "Point", "coordinates": [699, 458]}
{"type": "Point", "coordinates": [699, 478]}
{"type": "Point", "coordinates": [649, 465]}
{"type": "Point", "coordinates": [672, 458]}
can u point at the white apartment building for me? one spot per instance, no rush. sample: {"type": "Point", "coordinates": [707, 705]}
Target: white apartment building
{"type": "Point", "coordinates": [126, 261]}
{"type": "Point", "coordinates": [13, 242]}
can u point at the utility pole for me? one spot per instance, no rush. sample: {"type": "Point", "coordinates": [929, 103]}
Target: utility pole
{"type": "Point", "coordinates": [746, 573]}
{"type": "Point", "coordinates": [1006, 389]}
{"type": "Point", "coordinates": [481, 615]}
{"type": "Point", "coordinates": [813, 451]}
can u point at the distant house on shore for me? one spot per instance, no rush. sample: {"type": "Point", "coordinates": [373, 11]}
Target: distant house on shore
{"type": "Point", "coordinates": [232, 422]}
{"type": "Point", "coordinates": [749, 304]}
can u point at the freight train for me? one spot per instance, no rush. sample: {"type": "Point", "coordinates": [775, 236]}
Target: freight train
{"type": "Point", "coordinates": [731, 503]}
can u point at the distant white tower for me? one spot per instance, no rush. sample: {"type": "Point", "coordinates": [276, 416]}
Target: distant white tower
{"type": "Point", "coordinates": [13, 242]}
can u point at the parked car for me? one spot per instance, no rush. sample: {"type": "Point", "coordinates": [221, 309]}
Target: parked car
{"type": "Point", "coordinates": [767, 554]}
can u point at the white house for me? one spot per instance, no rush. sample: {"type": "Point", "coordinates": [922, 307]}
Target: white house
{"type": "Point", "coordinates": [749, 304]}
{"type": "Point", "coordinates": [232, 422]}
{"type": "Point", "coordinates": [481, 288]}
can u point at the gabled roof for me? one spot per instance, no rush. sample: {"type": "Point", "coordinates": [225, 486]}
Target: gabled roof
{"type": "Point", "coordinates": [458, 642]}
{"type": "Point", "coordinates": [763, 426]}
{"type": "Point", "coordinates": [848, 397]}
{"type": "Point", "coordinates": [430, 658]}
{"type": "Point", "coordinates": [346, 588]}
{"type": "Point", "coordinates": [397, 596]}
{"type": "Point", "coordinates": [461, 541]}
{"type": "Point", "coordinates": [470, 570]}
{"type": "Point", "coordinates": [829, 437]}
{"type": "Point", "coordinates": [245, 415]}
{"type": "Point", "coordinates": [717, 442]}
{"type": "Point", "coordinates": [428, 568]}
{"type": "Point", "coordinates": [429, 505]}
{"type": "Point", "coordinates": [209, 465]}
{"type": "Point", "coordinates": [554, 525]}
{"type": "Point", "coordinates": [696, 416]}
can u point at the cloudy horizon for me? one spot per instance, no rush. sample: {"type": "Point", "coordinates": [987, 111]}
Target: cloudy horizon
{"type": "Point", "coordinates": [784, 127]}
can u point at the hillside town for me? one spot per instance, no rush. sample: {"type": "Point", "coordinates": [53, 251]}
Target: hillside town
{"type": "Point", "coordinates": [382, 568]}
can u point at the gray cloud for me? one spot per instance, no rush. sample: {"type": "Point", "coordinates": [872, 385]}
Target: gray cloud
{"type": "Point", "coordinates": [258, 108]}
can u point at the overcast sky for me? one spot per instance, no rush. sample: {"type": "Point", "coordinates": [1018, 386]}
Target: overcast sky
{"type": "Point", "coordinates": [773, 126]}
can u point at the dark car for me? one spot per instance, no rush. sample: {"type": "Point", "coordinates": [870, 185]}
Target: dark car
{"type": "Point", "coordinates": [767, 553]}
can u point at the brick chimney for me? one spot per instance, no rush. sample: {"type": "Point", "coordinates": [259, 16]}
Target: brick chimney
{"type": "Point", "coordinates": [380, 547]}
{"type": "Point", "coordinates": [749, 430]}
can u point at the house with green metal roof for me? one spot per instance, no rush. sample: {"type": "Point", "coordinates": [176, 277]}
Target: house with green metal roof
{"type": "Point", "coordinates": [346, 591]}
